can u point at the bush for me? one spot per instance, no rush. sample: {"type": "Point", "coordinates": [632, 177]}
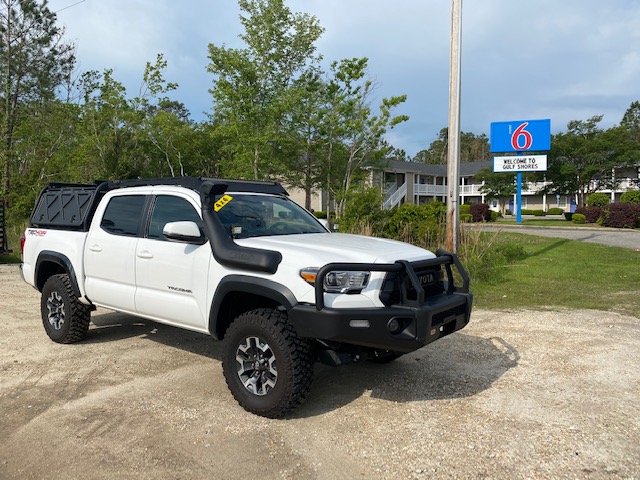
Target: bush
{"type": "Point", "coordinates": [320, 214]}
{"type": "Point", "coordinates": [578, 218]}
{"type": "Point", "coordinates": [416, 224]}
{"type": "Point", "coordinates": [592, 214]}
{"type": "Point", "coordinates": [480, 212]}
{"type": "Point", "coordinates": [465, 208]}
{"type": "Point", "coordinates": [507, 211]}
{"type": "Point", "coordinates": [598, 200]}
{"type": "Point", "coordinates": [631, 196]}
{"type": "Point", "coordinates": [466, 218]}
{"type": "Point", "coordinates": [621, 215]}
{"type": "Point", "coordinates": [494, 216]}
{"type": "Point", "coordinates": [364, 211]}
{"type": "Point", "coordinates": [555, 211]}
{"type": "Point", "coordinates": [528, 211]}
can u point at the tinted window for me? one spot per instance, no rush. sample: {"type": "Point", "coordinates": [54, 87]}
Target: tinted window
{"type": "Point", "coordinates": [170, 209]}
{"type": "Point", "coordinates": [123, 214]}
{"type": "Point", "coordinates": [245, 216]}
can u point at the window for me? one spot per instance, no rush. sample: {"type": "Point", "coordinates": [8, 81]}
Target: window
{"type": "Point", "coordinates": [122, 215]}
{"type": "Point", "coordinates": [170, 209]}
{"type": "Point", "coordinates": [263, 215]}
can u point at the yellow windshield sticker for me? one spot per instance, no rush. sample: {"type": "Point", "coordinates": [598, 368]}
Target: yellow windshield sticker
{"type": "Point", "coordinates": [222, 202]}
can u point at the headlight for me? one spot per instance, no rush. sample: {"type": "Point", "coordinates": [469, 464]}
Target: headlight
{"type": "Point", "coordinates": [338, 281]}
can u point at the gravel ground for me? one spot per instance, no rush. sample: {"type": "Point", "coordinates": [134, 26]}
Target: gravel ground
{"type": "Point", "coordinates": [516, 394]}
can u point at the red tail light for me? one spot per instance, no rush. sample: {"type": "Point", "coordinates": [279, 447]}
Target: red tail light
{"type": "Point", "coordinates": [22, 240]}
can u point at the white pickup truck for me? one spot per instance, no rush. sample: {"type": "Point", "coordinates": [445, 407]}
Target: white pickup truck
{"type": "Point", "coordinates": [243, 263]}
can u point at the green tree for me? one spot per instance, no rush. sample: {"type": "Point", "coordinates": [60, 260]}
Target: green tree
{"type": "Point", "coordinates": [498, 185]}
{"type": "Point", "coordinates": [252, 86]}
{"type": "Point", "coordinates": [581, 160]}
{"type": "Point", "coordinates": [473, 148]}
{"type": "Point", "coordinates": [305, 127]}
{"type": "Point", "coordinates": [34, 61]}
{"type": "Point", "coordinates": [355, 127]}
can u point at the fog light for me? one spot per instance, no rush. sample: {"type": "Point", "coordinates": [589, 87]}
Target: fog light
{"type": "Point", "coordinates": [394, 325]}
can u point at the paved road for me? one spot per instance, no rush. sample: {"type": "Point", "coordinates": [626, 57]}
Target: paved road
{"type": "Point", "coordinates": [606, 236]}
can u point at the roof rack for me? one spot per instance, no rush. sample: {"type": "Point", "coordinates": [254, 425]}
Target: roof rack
{"type": "Point", "coordinates": [194, 183]}
{"type": "Point", "coordinates": [72, 205]}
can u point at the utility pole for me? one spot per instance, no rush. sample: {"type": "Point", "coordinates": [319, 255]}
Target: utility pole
{"type": "Point", "coordinates": [453, 158]}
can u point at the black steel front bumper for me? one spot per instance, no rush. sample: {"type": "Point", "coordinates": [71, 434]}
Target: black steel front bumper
{"type": "Point", "coordinates": [404, 327]}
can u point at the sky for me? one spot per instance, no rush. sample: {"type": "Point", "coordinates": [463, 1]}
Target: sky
{"type": "Point", "coordinates": [521, 59]}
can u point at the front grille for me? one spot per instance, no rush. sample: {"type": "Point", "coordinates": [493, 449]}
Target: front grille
{"type": "Point", "coordinates": [430, 279]}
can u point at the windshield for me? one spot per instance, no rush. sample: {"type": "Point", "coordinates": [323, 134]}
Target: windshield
{"type": "Point", "coordinates": [245, 216]}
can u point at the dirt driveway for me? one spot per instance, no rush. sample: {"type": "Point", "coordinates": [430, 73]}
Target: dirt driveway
{"type": "Point", "coordinates": [551, 394]}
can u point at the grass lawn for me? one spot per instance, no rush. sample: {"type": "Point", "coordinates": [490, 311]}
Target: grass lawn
{"type": "Point", "coordinates": [565, 273]}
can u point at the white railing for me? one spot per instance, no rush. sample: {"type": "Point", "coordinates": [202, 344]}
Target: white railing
{"type": "Point", "coordinates": [395, 198]}
{"type": "Point", "coordinates": [429, 189]}
{"type": "Point", "coordinates": [470, 189]}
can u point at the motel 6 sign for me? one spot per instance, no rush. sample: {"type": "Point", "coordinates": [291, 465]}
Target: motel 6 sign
{"type": "Point", "coordinates": [521, 136]}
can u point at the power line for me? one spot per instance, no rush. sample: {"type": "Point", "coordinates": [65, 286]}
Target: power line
{"type": "Point", "coordinates": [64, 8]}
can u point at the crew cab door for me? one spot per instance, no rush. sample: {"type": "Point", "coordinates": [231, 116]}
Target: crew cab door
{"type": "Point", "coordinates": [110, 252]}
{"type": "Point", "coordinates": [171, 277]}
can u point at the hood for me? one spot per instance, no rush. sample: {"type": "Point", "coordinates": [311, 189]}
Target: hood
{"type": "Point", "coordinates": [317, 249]}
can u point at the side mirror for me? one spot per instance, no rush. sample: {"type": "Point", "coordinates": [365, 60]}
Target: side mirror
{"type": "Point", "coordinates": [184, 232]}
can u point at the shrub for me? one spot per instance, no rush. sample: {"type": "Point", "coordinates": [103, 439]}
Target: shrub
{"type": "Point", "coordinates": [598, 199]}
{"type": "Point", "coordinates": [578, 218]}
{"type": "Point", "coordinates": [466, 217]}
{"type": "Point", "coordinates": [555, 211]}
{"type": "Point", "coordinates": [465, 208]}
{"type": "Point", "coordinates": [480, 212]}
{"type": "Point", "coordinates": [416, 223]}
{"type": "Point", "coordinates": [631, 196]}
{"type": "Point", "coordinates": [364, 210]}
{"type": "Point", "coordinates": [529, 211]}
{"type": "Point", "coordinates": [320, 214]}
{"type": "Point", "coordinates": [494, 216]}
{"type": "Point", "coordinates": [507, 211]}
{"type": "Point", "coordinates": [591, 213]}
{"type": "Point", "coordinates": [621, 215]}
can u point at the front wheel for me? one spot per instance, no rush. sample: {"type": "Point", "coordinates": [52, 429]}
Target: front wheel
{"type": "Point", "coordinates": [64, 317]}
{"type": "Point", "coordinates": [266, 366]}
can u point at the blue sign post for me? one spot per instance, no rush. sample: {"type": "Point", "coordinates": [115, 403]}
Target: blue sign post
{"type": "Point", "coordinates": [521, 136]}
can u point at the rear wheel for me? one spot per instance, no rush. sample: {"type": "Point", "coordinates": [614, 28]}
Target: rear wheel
{"type": "Point", "coordinates": [64, 317]}
{"type": "Point", "coordinates": [267, 367]}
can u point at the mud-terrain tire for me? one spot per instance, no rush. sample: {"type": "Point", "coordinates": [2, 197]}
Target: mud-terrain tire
{"type": "Point", "coordinates": [268, 369]}
{"type": "Point", "coordinates": [64, 317]}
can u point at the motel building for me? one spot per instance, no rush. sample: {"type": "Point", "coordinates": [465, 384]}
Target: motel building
{"type": "Point", "coordinates": [418, 183]}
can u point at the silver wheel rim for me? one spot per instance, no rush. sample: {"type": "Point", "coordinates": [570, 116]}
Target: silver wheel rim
{"type": "Point", "coordinates": [256, 366]}
{"type": "Point", "coordinates": [55, 305]}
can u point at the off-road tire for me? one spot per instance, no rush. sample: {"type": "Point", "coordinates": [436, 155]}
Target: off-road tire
{"type": "Point", "coordinates": [285, 360]}
{"type": "Point", "coordinates": [64, 317]}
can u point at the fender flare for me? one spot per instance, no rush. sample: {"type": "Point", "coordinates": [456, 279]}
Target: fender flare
{"type": "Point", "coordinates": [247, 284]}
{"type": "Point", "coordinates": [49, 256]}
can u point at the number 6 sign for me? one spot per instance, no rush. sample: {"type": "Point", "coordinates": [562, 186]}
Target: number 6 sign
{"type": "Point", "coordinates": [521, 136]}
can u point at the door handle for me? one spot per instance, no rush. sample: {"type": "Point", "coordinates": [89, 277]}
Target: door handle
{"type": "Point", "coordinates": [95, 248]}
{"type": "Point", "coordinates": [145, 254]}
